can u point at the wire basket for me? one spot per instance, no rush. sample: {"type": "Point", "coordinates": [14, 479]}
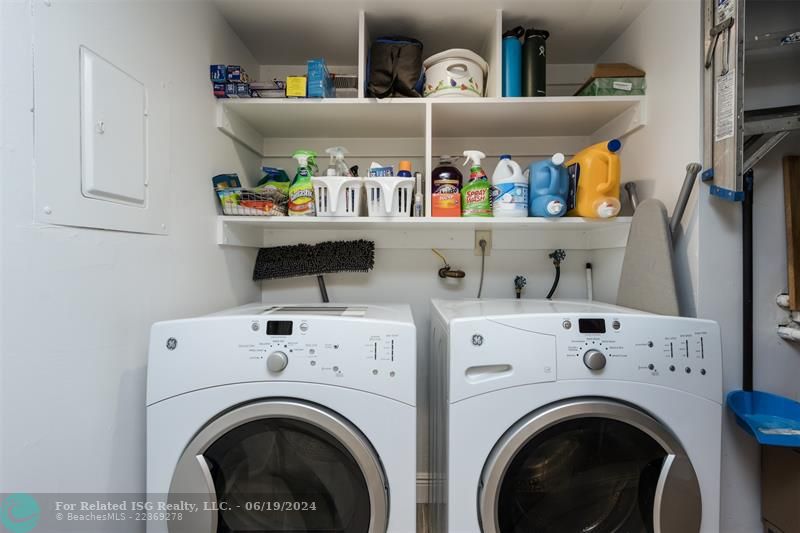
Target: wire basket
{"type": "Point", "coordinates": [241, 201]}
{"type": "Point", "coordinates": [389, 196]}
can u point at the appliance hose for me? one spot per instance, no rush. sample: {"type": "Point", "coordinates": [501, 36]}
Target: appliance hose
{"type": "Point", "coordinates": [482, 244]}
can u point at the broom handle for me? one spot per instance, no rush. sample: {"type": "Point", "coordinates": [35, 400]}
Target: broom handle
{"type": "Point", "coordinates": [322, 290]}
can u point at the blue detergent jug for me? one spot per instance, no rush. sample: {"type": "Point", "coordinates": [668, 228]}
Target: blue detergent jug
{"type": "Point", "coordinates": [549, 186]}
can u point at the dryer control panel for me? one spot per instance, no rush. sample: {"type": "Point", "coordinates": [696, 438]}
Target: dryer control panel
{"type": "Point", "coordinates": [675, 352]}
{"type": "Point", "coordinates": [368, 355]}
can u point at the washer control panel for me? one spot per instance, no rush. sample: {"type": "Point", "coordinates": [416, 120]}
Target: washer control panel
{"type": "Point", "coordinates": [365, 354]}
{"type": "Point", "coordinates": [318, 348]}
{"type": "Point", "coordinates": [677, 352]}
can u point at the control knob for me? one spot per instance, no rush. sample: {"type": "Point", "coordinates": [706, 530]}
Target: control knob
{"type": "Point", "coordinates": [594, 360]}
{"type": "Point", "coordinates": [277, 361]}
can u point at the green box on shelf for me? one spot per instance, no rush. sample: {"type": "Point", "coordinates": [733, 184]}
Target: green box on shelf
{"type": "Point", "coordinates": [614, 87]}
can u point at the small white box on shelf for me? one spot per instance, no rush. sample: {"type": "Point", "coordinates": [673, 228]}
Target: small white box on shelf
{"type": "Point", "coordinates": [389, 196]}
{"type": "Point", "coordinates": [337, 196]}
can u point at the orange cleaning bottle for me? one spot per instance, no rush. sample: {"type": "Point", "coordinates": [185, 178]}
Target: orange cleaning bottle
{"type": "Point", "coordinates": [594, 174]}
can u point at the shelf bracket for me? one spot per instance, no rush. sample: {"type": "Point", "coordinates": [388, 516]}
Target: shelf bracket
{"type": "Point", "coordinates": [231, 234]}
{"type": "Point", "coordinates": [763, 147]}
{"type": "Point", "coordinates": [239, 130]}
{"type": "Point", "coordinates": [630, 120]}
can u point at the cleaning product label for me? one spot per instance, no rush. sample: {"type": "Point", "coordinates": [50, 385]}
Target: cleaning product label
{"type": "Point", "coordinates": [574, 176]}
{"type": "Point", "coordinates": [510, 197]}
{"type": "Point", "coordinates": [301, 195]}
{"type": "Point", "coordinates": [446, 204]}
{"type": "Point", "coordinates": [476, 199]}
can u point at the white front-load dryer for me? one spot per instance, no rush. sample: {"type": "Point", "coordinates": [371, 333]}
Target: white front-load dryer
{"type": "Point", "coordinates": [283, 418]}
{"type": "Point", "coordinates": [566, 417]}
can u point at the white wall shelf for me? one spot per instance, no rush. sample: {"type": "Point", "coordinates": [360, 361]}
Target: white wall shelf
{"type": "Point", "coordinates": [426, 232]}
{"type": "Point", "coordinates": [251, 121]}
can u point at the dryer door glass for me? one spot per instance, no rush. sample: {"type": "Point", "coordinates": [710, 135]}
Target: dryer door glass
{"type": "Point", "coordinates": [592, 466]}
{"type": "Point", "coordinates": [278, 474]}
{"type": "Point", "coordinates": [592, 475]}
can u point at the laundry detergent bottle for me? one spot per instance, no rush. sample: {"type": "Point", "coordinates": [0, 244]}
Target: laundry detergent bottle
{"type": "Point", "coordinates": [446, 191]}
{"type": "Point", "coordinates": [476, 195]}
{"type": "Point", "coordinates": [549, 186]}
{"type": "Point", "coordinates": [594, 175]}
{"type": "Point", "coordinates": [301, 191]}
{"type": "Point", "coordinates": [509, 189]}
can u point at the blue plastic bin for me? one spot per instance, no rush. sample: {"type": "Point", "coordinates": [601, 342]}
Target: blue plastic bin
{"type": "Point", "coordinates": [771, 419]}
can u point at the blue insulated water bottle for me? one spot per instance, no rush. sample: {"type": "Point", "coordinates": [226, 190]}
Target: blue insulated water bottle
{"type": "Point", "coordinates": [512, 62]}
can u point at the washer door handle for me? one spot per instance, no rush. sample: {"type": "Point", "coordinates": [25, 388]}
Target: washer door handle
{"type": "Point", "coordinates": [193, 484]}
{"type": "Point", "coordinates": [678, 505]}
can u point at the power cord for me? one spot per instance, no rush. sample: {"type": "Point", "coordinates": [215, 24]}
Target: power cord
{"type": "Point", "coordinates": [482, 243]}
{"type": "Point", "coordinates": [557, 256]}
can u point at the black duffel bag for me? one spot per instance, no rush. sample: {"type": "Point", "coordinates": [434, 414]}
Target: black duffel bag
{"type": "Point", "coordinates": [394, 67]}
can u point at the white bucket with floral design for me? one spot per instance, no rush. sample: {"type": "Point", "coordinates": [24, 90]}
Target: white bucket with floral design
{"type": "Point", "coordinates": [455, 72]}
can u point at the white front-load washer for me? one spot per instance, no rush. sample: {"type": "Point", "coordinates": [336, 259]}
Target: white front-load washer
{"type": "Point", "coordinates": [567, 417]}
{"type": "Point", "coordinates": [284, 418]}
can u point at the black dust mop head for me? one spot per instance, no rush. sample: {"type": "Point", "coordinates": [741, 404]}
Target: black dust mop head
{"type": "Point", "coordinates": [314, 259]}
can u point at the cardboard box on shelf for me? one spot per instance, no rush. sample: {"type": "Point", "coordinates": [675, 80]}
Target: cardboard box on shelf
{"type": "Point", "coordinates": [780, 489]}
{"type": "Point", "coordinates": [613, 79]}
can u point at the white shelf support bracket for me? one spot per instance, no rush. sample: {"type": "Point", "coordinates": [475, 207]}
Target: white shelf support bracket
{"type": "Point", "coordinates": [231, 234]}
{"type": "Point", "coordinates": [239, 130]}
{"type": "Point", "coordinates": [621, 126]}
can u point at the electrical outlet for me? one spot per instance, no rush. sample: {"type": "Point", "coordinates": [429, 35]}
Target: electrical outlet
{"type": "Point", "coordinates": [487, 235]}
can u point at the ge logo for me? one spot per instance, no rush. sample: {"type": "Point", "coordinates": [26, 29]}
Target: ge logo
{"type": "Point", "coordinates": [172, 343]}
{"type": "Point", "coordinates": [477, 339]}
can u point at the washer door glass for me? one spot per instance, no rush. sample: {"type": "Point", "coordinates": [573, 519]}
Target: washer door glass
{"type": "Point", "coordinates": [590, 475]}
{"type": "Point", "coordinates": [286, 475]}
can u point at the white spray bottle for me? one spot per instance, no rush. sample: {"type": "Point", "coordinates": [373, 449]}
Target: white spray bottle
{"type": "Point", "coordinates": [337, 163]}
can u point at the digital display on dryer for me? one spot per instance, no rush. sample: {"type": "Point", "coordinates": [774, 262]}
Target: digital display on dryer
{"type": "Point", "coordinates": [591, 325]}
{"type": "Point", "coordinates": [279, 327]}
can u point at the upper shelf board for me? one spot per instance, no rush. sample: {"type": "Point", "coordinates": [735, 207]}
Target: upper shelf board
{"type": "Point", "coordinates": [556, 116]}
{"type": "Point", "coordinates": [249, 121]}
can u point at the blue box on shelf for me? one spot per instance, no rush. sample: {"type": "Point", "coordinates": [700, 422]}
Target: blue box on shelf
{"type": "Point", "coordinates": [320, 82]}
{"type": "Point", "coordinates": [219, 73]}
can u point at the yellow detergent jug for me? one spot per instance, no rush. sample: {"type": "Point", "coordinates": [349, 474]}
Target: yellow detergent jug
{"type": "Point", "coordinates": [594, 175]}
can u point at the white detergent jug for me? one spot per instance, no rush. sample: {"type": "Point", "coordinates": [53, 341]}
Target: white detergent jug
{"type": "Point", "coordinates": [509, 189]}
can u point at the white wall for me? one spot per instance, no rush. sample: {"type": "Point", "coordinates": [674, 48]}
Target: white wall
{"type": "Point", "coordinates": [77, 304]}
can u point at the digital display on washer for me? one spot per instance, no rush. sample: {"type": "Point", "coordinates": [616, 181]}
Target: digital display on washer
{"type": "Point", "coordinates": [591, 325]}
{"type": "Point", "coordinates": [279, 327]}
